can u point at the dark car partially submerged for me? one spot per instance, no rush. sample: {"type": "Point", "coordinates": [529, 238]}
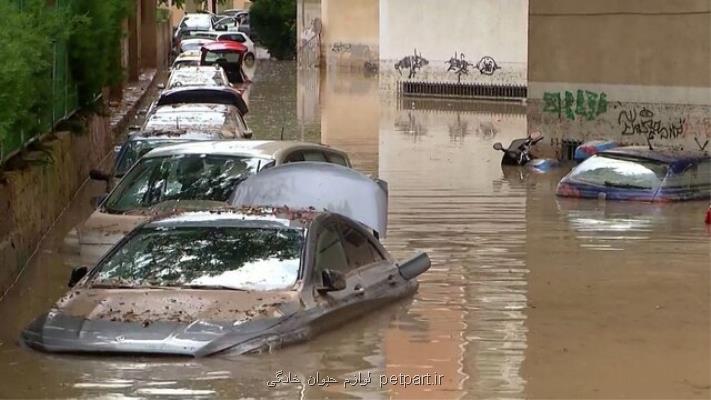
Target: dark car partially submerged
{"type": "Point", "coordinates": [642, 174]}
{"type": "Point", "coordinates": [242, 279]}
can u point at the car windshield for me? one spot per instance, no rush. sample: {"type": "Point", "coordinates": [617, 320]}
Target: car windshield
{"type": "Point", "coordinates": [197, 22]}
{"type": "Point", "coordinates": [239, 258]}
{"type": "Point", "coordinates": [135, 149]}
{"type": "Point", "coordinates": [230, 57]}
{"type": "Point", "coordinates": [605, 170]}
{"type": "Point", "coordinates": [188, 46]}
{"type": "Point", "coordinates": [156, 180]}
{"type": "Point", "coordinates": [208, 76]}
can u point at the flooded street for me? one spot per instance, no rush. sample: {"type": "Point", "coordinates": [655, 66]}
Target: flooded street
{"type": "Point", "coordinates": [529, 295]}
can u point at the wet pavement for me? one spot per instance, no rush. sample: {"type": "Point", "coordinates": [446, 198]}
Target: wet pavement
{"type": "Point", "coordinates": [528, 295]}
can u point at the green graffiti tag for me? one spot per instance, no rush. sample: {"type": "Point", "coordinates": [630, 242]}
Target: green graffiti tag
{"type": "Point", "coordinates": [583, 103]}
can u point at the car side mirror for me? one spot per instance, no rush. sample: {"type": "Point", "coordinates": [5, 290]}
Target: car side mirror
{"type": "Point", "coordinates": [332, 281]}
{"type": "Point", "coordinates": [161, 86]}
{"type": "Point", "coordinates": [77, 274]}
{"type": "Point", "coordinates": [498, 146]}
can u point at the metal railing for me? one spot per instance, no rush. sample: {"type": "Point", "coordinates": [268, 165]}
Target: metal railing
{"type": "Point", "coordinates": [462, 90]}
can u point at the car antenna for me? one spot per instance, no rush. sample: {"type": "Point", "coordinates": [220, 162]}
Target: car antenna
{"type": "Point", "coordinates": [649, 143]}
{"type": "Point", "coordinates": [281, 137]}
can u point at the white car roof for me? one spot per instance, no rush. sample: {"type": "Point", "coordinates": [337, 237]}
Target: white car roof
{"type": "Point", "coordinates": [188, 116]}
{"type": "Point", "coordinates": [269, 149]}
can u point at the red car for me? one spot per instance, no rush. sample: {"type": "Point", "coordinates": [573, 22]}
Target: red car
{"type": "Point", "coordinates": [229, 55]}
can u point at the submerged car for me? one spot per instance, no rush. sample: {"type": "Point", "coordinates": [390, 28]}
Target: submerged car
{"type": "Point", "coordinates": [642, 174]}
{"type": "Point", "coordinates": [197, 76]}
{"type": "Point", "coordinates": [201, 95]}
{"type": "Point", "coordinates": [140, 143]}
{"type": "Point", "coordinates": [230, 56]}
{"type": "Point", "coordinates": [234, 36]}
{"type": "Point", "coordinates": [185, 176]}
{"type": "Point", "coordinates": [238, 281]}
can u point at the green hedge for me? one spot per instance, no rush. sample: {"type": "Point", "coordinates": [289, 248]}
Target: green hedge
{"type": "Point", "coordinates": [54, 59]}
{"type": "Point", "coordinates": [274, 22]}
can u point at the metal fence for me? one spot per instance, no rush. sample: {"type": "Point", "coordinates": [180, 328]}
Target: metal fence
{"type": "Point", "coordinates": [463, 90]}
{"type": "Point", "coordinates": [63, 98]}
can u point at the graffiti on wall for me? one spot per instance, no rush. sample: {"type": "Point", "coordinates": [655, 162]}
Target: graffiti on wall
{"type": "Point", "coordinates": [340, 47]}
{"type": "Point", "coordinates": [414, 63]}
{"type": "Point", "coordinates": [583, 103]}
{"type": "Point", "coordinates": [487, 66]}
{"type": "Point", "coordinates": [643, 122]}
{"type": "Point", "coordinates": [459, 65]}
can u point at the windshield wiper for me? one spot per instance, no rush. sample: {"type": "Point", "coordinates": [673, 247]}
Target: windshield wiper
{"type": "Point", "coordinates": [624, 185]}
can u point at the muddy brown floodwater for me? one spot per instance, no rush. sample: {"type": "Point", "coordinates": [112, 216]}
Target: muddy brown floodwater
{"type": "Point", "coordinates": [528, 295]}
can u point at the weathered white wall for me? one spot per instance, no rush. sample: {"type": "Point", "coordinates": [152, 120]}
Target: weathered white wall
{"type": "Point", "coordinates": [439, 28]}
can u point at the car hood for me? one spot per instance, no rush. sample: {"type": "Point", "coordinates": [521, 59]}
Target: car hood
{"type": "Point", "coordinates": [159, 321]}
{"type": "Point", "coordinates": [103, 228]}
{"type": "Point", "coordinates": [107, 229]}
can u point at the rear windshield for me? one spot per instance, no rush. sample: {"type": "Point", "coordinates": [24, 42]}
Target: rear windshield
{"type": "Point", "coordinates": [231, 57]}
{"type": "Point", "coordinates": [697, 176]}
{"type": "Point", "coordinates": [190, 120]}
{"type": "Point", "coordinates": [239, 258]}
{"type": "Point", "coordinates": [620, 172]}
{"type": "Point", "coordinates": [180, 178]}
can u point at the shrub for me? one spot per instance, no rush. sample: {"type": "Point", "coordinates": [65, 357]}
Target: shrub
{"type": "Point", "coordinates": [95, 45]}
{"type": "Point", "coordinates": [27, 37]}
{"type": "Point", "coordinates": [274, 22]}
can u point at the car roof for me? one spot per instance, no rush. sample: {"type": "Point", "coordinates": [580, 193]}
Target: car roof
{"type": "Point", "coordinates": [196, 74]}
{"type": "Point", "coordinates": [196, 40]}
{"type": "Point", "coordinates": [171, 134]}
{"type": "Point", "coordinates": [270, 149]}
{"type": "Point", "coordinates": [225, 45]}
{"type": "Point", "coordinates": [192, 107]}
{"type": "Point", "coordinates": [678, 159]}
{"type": "Point", "coordinates": [233, 217]}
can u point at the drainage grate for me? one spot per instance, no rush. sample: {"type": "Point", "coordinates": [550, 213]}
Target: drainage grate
{"type": "Point", "coordinates": [463, 90]}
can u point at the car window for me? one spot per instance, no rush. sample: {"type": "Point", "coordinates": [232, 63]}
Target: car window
{"type": "Point", "coordinates": [694, 176]}
{"type": "Point", "coordinates": [620, 172]}
{"type": "Point", "coordinates": [233, 37]}
{"type": "Point", "coordinates": [359, 250]}
{"type": "Point", "coordinates": [180, 178]}
{"type": "Point", "coordinates": [312, 155]}
{"type": "Point", "coordinates": [329, 252]}
{"type": "Point", "coordinates": [296, 156]}
{"type": "Point", "coordinates": [335, 158]}
{"type": "Point", "coordinates": [212, 57]}
{"type": "Point", "coordinates": [244, 258]}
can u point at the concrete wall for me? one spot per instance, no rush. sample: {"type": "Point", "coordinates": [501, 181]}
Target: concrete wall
{"type": "Point", "coordinates": [439, 29]}
{"type": "Point", "coordinates": [649, 43]}
{"type": "Point", "coordinates": [33, 197]}
{"type": "Point", "coordinates": [627, 71]}
{"type": "Point", "coordinates": [350, 35]}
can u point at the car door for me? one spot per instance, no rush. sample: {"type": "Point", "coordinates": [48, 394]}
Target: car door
{"type": "Point", "coordinates": [366, 257]}
{"type": "Point", "coordinates": [329, 253]}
